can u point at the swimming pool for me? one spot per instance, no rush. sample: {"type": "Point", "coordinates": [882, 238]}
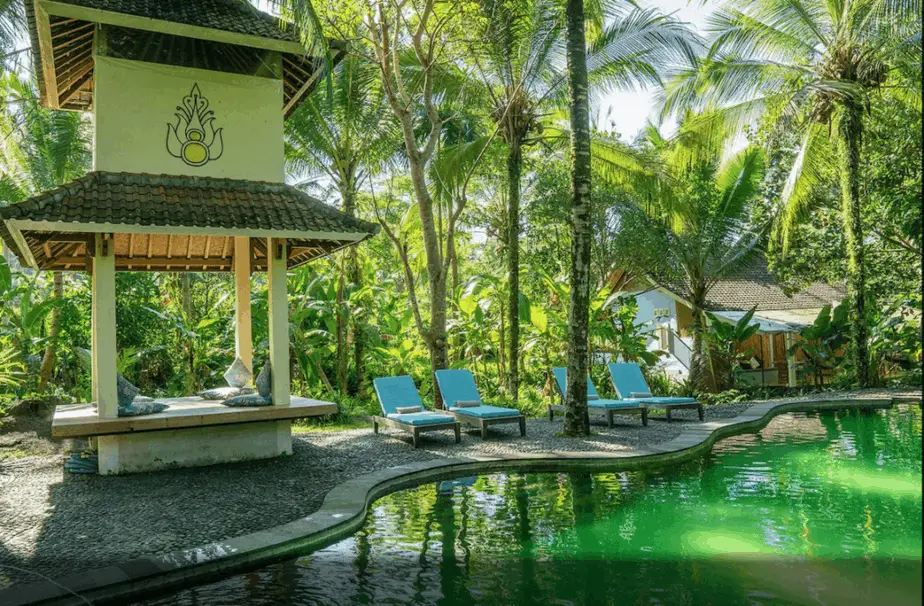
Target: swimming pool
{"type": "Point", "coordinates": [814, 509]}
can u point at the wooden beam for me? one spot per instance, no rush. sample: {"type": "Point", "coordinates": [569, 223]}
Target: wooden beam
{"type": "Point", "coordinates": [179, 262]}
{"type": "Point", "coordinates": [75, 11]}
{"type": "Point", "coordinates": [46, 52]}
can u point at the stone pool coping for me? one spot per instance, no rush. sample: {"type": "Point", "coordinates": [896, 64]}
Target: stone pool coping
{"type": "Point", "coordinates": [345, 506]}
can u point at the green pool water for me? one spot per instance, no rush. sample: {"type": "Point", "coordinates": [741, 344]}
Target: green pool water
{"type": "Point", "coordinates": [814, 509]}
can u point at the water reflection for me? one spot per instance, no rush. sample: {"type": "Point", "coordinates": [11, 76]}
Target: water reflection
{"type": "Point", "coordinates": [814, 509]}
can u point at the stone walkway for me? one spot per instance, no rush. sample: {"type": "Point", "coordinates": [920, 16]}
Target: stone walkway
{"type": "Point", "coordinates": [55, 523]}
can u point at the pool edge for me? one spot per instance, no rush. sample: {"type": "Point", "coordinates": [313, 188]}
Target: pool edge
{"type": "Point", "coordinates": [344, 509]}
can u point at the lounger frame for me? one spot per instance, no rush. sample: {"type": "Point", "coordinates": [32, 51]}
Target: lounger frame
{"type": "Point", "coordinates": [484, 423]}
{"type": "Point", "coordinates": [668, 407]}
{"type": "Point", "coordinates": [610, 413]}
{"type": "Point", "coordinates": [416, 430]}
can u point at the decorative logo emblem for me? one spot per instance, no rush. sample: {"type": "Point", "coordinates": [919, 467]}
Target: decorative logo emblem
{"type": "Point", "coordinates": [193, 139]}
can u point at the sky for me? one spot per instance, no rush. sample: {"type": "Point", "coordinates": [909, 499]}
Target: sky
{"type": "Point", "coordinates": [629, 111]}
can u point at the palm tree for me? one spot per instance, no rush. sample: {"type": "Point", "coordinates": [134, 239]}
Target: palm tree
{"type": "Point", "coordinates": [43, 149]}
{"type": "Point", "coordinates": [577, 421]}
{"type": "Point", "coordinates": [522, 66]}
{"type": "Point", "coordinates": [809, 65]}
{"type": "Point", "coordinates": [341, 134]}
{"type": "Point", "coordinates": [697, 231]}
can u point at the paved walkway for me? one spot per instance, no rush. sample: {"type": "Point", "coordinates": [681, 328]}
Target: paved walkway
{"type": "Point", "coordinates": [55, 523]}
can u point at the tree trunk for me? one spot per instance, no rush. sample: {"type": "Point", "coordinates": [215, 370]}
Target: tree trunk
{"type": "Point", "coordinates": [51, 352]}
{"type": "Point", "coordinates": [701, 375]}
{"type": "Point", "coordinates": [342, 353]}
{"type": "Point", "coordinates": [850, 127]}
{"type": "Point", "coordinates": [346, 270]}
{"type": "Point", "coordinates": [514, 168]}
{"type": "Point", "coordinates": [187, 303]}
{"type": "Point", "coordinates": [436, 335]}
{"type": "Point", "coordinates": [577, 421]}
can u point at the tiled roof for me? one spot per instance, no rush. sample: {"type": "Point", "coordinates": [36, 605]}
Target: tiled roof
{"type": "Point", "coordinates": [226, 15]}
{"type": "Point", "coordinates": [179, 201]}
{"type": "Point", "coordinates": [752, 284]}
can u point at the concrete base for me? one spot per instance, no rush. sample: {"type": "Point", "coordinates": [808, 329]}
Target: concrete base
{"type": "Point", "coordinates": [193, 447]}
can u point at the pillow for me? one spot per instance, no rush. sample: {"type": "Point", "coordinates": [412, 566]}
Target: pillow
{"type": "Point", "coordinates": [467, 404]}
{"type": "Point", "coordinates": [238, 374]}
{"type": "Point", "coordinates": [403, 410]}
{"type": "Point", "coordinates": [264, 382]}
{"type": "Point", "coordinates": [223, 393]}
{"type": "Point", "coordinates": [136, 409]}
{"type": "Point", "coordinates": [591, 398]}
{"type": "Point", "coordinates": [640, 394]}
{"type": "Point", "coordinates": [126, 391]}
{"type": "Point", "coordinates": [251, 399]}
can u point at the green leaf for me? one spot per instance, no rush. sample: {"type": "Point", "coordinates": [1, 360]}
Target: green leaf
{"type": "Point", "coordinates": [468, 305]}
{"type": "Point", "coordinates": [538, 318]}
{"type": "Point", "coordinates": [6, 277]}
{"type": "Point", "coordinates": [524, 308]}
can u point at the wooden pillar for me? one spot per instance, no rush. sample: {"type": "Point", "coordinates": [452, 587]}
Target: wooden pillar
{"type": "Point", "coordinates": [278, 319]}
{"type": "Point", "coordinates": [103, 328]}
{"type": "Point", "coordinates": [243, 333]}
{"type": "Point", "coordinates": [790, 360]}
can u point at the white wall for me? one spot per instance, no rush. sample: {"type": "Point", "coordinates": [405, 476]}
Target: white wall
{"type": "Point", "coordinates": [134, 102]}
{"type": "Point", "coordinates": [651, 300]}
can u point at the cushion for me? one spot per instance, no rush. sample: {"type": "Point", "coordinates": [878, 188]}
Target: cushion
{"type": "Point", "coordinates": [251, 399]}
{"type": "Point", "coordinates": [136, 409]}
{"type": "Point", "coordinates": [466, 404]}
{"type": "Point", "coordinates": [592, 397]}
{"type": "Point", "coordinates": [670, 400]}
{"type": "Point", "coordinates": [238, 374]}
{"type": "Point", "coordinates": [223, 393]}
{"type": "Point", "coordinates": [639, 394]}
{"type": "Point", "coordinates": [610, 404]}
{"type": "Point", "coordinates": [486, 412]}
{"type": "Point", "coordinates": [403, 410]}
{"type": "Point", "coordinates": [422, 418]}
{"type": "Point", "coordinates": [264, 381]}
{"type": "Point", "coordinates": [125, 390]}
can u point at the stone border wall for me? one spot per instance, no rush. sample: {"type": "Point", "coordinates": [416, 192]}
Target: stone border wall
{"type": "Point", "coordinates": [345, 506]}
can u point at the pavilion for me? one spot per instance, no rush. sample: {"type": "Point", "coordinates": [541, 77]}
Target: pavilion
{"type": "Point", "coordinates": [188, 101]}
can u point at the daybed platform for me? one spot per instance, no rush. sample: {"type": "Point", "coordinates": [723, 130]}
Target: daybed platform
{"type": "Point", "coordinates": [192, 432]}
{"type": "Point", "coordinates": [80, 420]}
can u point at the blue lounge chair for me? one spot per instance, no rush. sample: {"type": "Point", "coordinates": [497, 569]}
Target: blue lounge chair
{"type": "Point", "coordinates": [462, 400]}
{"type": "Point", "coordinates": [595, 403]}
{"type": "Point", "coordinates": [630, 384]}
{"type": "Point", "coordinates": [398, 398]}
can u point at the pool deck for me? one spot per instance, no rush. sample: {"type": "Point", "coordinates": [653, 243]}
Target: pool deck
{"type": "Point", "coordinates": [108, 538]}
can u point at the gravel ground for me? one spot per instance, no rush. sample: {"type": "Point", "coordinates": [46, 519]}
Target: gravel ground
{"type": "Point", "coordinates": [56, 523]}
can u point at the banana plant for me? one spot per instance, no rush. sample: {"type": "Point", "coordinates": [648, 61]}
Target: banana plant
{"type": "Point", "coordinates": [823, 342]}
{"type": "Point", "coordinates": [725, 339]}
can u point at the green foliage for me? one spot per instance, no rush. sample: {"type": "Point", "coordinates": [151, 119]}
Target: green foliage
{"type": "Point", "coordinates": [683, 210]}
{"type": "Point", "coordinates": [822, 343]}
{"type": "Point", "coordinates": [725, 341]}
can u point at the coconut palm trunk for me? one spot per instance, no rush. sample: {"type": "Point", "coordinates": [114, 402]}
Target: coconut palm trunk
{"type": "Point", "coordinates": [577, 422]}
{"type": "Point", "coordinates": [348, 271]}
{"type": "Point", "coordinates": [701, 372]}
{"type": "Point", "coordinates": [514, 171]}
{"type": "Point", "coordinates": [51, 352]}
{"type": "Point", "coordinates": [850, 130]}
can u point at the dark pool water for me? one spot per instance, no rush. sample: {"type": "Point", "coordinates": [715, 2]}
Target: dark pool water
{"type": "Point", "coordinates": [815, 509]}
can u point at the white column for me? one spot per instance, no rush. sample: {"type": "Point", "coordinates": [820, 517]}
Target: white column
{"type": "Point", "coordinates": [103, 329]}
{"type": "Point", "coordinates": [790, 359]}
{"type": "Point", "coordinates": [278, 319]}
{"type": "Point", "coordinates": [243, 334]}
